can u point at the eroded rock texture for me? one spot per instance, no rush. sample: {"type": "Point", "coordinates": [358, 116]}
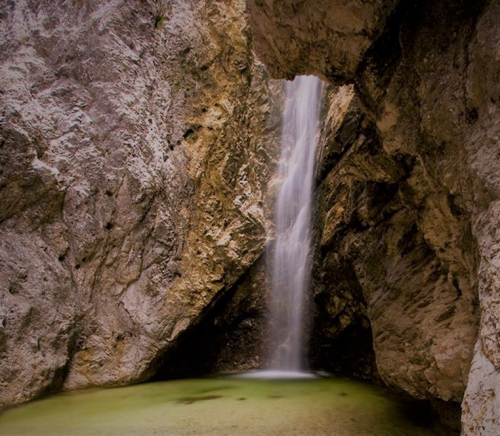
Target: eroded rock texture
{"type": "Point", "coordinates": [408, 213]}
{"type": "Point", "coordinates": [231, 338]}
{"type": "Point", "coordinates": [327, 38]}
{"type": "Point", "coordinates": [133, 176]}
{"type": "Point", "coordinates": [378, 265]}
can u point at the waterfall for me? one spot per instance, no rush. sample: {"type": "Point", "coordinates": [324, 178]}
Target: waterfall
{"type": "Point", "coordinates": [291, 261]}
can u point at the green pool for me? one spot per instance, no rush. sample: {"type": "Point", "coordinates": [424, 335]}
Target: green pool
{"type": "Point", "coordinates": [222, 406]}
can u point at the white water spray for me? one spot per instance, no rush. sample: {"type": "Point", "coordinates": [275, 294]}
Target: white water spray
{"type": "Point", "coordinates": [291, 264]}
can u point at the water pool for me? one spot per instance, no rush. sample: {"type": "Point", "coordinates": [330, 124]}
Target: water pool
{"type": "Point", "coordinates": [220, 407]}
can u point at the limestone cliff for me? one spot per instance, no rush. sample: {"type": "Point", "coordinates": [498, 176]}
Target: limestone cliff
{"type": "Point", "coordinates": [133, 176]}
{"type": "Point", "coordinates": [408, 203]}
{"type": "Point", "coordinates": [136, 147]}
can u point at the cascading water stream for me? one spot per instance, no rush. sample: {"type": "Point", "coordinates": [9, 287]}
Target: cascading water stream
{"type": "Point", "coordinates": [291, 265]}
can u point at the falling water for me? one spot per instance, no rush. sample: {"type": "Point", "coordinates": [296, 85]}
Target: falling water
{"type": "Point", "coordinates": [291, 265]}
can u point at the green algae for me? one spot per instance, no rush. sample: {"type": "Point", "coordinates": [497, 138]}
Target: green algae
{"type": "Point", "coordinates": [220, 407]}
{"type": "Point", "coordinates": [194, 399]}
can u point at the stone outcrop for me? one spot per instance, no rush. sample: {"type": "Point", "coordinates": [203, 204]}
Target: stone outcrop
{"type": "Point", "coordinates": [379, 266]}
{"type": "Point", "coordinates": [329, 39]}
{"type": "Point", "coordinates": [136, 148]}
{"type": "Point", "coordinates": [408, 211]}
{"type": "Point", "coordinates": [231, 338]}
{"type": "Point", "coordinates": [135, 152]}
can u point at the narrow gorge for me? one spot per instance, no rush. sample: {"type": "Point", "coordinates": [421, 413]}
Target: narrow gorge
{"type": "Point", "coordinates": [139, 149]}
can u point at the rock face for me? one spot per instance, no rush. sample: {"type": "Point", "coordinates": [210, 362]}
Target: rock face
{"type": "Point", "coordinates": [310, 35]}
{"type": "Point", "coordinates": [342, 336]}
{"type": "Point", "coordinates": [381, 262]}
{"type": "Point", "coordinates": [232, 338]}
{"type": "Point", "coordinates": [134, 160]}
{"type": "Point", "coordinates": [408, 208]}
{"type": "Point", "coordinates": [136, 147]}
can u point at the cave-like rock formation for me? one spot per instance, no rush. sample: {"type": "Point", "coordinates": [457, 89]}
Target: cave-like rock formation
{"type": "Point", "coordinates": [408, 211]}
{"type": "Point", "coordinates": [136, 141]}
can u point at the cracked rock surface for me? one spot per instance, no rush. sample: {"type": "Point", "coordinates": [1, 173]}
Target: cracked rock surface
{"type": "Point", "coordinates": [134, 163]}
{"type": "Point", "coordinates": [413, 218]}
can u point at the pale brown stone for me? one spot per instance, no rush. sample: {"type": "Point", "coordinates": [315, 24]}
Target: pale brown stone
{"type": "Point", "coordinates": [134, 169]}
{"type": "Point", "coordinates": [428, 84]}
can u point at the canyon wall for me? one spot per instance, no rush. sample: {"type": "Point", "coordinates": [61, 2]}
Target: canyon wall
{"type": "Point", "coordinates": [136, 145]}
{"type": "Point", "coordinates": [408, 195]}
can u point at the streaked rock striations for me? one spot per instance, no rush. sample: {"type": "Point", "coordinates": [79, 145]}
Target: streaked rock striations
{"type": "Point", "coordinates": [408, 210]}
{"type": "Point", "coordinates": [136, 147]}
{"type": "Point", "coordinates": [375, 266]}
{"type": "Point", "coordinates": [135, 151]}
